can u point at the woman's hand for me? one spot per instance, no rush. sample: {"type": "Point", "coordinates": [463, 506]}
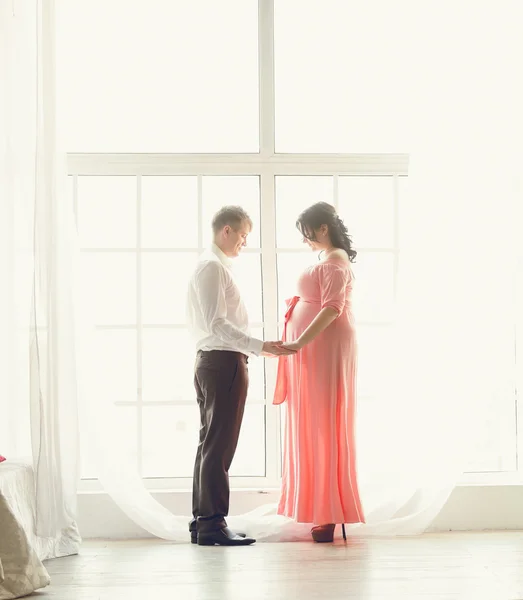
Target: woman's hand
{"type": "Point", "coordinates": [296, 345]}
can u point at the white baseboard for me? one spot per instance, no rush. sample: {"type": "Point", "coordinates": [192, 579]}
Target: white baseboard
{"type": "Point", "coordinates": [482, 507]}
{"type": "Point", "coordinates": [469, 508]}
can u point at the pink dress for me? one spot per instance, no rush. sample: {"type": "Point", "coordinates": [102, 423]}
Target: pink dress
{"type": "Point", "coordinates": [319, 384]}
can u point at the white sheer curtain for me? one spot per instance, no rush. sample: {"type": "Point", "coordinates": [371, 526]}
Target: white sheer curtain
{"type": "Point", "coordinates": [38, 387]}
{"type": "Point", "coordinates": [459, 76]}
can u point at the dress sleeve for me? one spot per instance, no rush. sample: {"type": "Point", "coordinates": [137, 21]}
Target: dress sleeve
{"type": "Point", "coordinates": [333, 281]}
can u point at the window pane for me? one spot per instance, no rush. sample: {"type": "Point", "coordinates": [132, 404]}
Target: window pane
{"type": "Point", "coordinates": [293, 195]}
{"type": "Point", "coordinates": [169, 212]}
{"type": "Point", "coordinates": [237, 190]}
{"type": "Point", "coordinates": [107, 212]}
{"type": "Point", "coordinates": [124, 437]}
{"type": "Point", "coordinates": [165, 277]}
{"type": "Point", "coordinates": [366, 204]}
{"type": "Point", "coordinates": [290, 267]}
{"type": "Point", "coordinates": [247, 275]}
{"type": "Point", "coordinates": [114, 363]}
{"type": "Point", "coordinates": [168, 357]}
{"type": "Point", "coordinates": [249, 460]}
{"type": "Point", "coordinates": [170, 440]}
{"type": "Point", "coordinates": [109, 280]}
{"type": "Point", "coordinates": [256, 391]}
{"type": "Point", "coordinates": [163, 76]}
{"type": "Point", "coordinates": [336, 76]}
{"type": "Point", "coordinates": [112, 372]}
{"type": "Point", "coordinates": [375, 348]}
{"type": "Point", "coordinates": [373, 294]}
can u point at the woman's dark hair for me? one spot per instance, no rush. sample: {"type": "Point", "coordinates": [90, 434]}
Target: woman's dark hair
{"type": "Point", "coordinates": [320, 214]}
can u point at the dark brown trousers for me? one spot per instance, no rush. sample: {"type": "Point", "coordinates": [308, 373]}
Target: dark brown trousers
{"type": "Point", "coordinates": [221, 379]}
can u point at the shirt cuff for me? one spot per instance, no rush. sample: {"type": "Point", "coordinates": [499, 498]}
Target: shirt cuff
{"type": "Point", "coordinates": [255, 346]}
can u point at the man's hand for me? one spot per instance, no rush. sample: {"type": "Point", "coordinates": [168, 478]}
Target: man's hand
{"type": "Point", "coordinates": [275, 349]}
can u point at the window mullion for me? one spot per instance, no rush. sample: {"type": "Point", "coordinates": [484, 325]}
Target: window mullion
{"type": "Point", "coordinates": [266, 76]}
{"type": "Point", "coordinates": [396, 235]}
{"type": "Point", "coordinates": [270, 318]}
{"type": "Point", "coordinates": [335, 192]}
{"type": "Point", "coordinates": [200, 212]}
{"type": "Point", "coordinates": [139, 332]}
{"type": "Point", "coordinates": [518, 358]}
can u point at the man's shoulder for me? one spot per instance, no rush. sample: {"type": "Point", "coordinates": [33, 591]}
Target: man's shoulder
{"type": "Point", "coordinates": [207, 265]}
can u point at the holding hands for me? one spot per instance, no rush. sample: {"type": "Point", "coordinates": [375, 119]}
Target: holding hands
{"type": "Point", "coordinates": [294, 346]}
{"type": "Point", "coordinates": [276, 349]}
{"type": "Point", "coordinates": [281, 348]}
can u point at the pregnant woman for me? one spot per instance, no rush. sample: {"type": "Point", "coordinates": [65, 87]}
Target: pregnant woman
{"type": "Point", "coordinates": [319, 383]}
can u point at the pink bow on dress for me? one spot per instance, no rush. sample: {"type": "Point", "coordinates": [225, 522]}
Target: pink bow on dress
{"type": "Point", "coordinates": [280, 393]}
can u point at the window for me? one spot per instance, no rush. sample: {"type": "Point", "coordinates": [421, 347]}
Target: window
{"type": "Point", "coordinates": [140, 275]}
{"type": "Point", "coordinates": [160, 225]}
{"type": "Point", "coordinates": [337, 87]}
{"type": "Point", "coordinates": [160, 133]}
{"type": "Point", "coordinates": [140, 76]}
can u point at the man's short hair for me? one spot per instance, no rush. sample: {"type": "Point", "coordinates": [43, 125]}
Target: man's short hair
{"type": "Point", "coordinates": [230, 215]}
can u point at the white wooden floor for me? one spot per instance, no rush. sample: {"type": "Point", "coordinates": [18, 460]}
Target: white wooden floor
{"type": "Point", "coordinates": [433, 566]}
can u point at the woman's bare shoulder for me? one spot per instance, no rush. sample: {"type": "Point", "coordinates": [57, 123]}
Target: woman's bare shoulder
{"type": "Point", "coordinates": [339, 254]}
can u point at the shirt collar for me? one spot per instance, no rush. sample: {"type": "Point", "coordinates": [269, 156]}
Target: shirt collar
{"type": "Point", "coordinates": [224, 259]}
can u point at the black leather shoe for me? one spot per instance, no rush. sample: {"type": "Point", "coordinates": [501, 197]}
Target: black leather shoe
{"type": "Point", "coordinates": [223, 537]}
{"type": "Point", "coordinates": [194, 536]}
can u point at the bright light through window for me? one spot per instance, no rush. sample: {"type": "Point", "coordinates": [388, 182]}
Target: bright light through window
{"type": "Point", "coordinates": [158, 76]}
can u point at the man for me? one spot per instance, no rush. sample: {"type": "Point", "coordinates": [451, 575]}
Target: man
{"type": "Point", "coordinates": [219, 323]}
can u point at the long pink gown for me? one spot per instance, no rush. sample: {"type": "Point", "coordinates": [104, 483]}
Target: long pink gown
{"type": "Point", "coordinates": [319, 384]}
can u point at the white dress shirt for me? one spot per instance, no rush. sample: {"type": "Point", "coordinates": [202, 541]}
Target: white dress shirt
{"type": "Point", "coordinates": [216, 314]}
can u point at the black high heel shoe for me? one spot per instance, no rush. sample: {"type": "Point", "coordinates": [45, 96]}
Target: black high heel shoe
{"type": "Point", "coordinates": [325, 533]}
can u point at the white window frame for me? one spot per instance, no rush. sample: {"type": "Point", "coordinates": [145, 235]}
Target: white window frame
{"type": "Point", "coordinates": [515, 477]}
{"type": "Point", "coordinates": [138, 166]}
{"type": "Point", "coordinates": [267, 164]}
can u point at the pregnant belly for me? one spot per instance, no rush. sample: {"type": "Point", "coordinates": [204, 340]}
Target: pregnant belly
{"type": "Point", "coordinates": [303, 315]}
